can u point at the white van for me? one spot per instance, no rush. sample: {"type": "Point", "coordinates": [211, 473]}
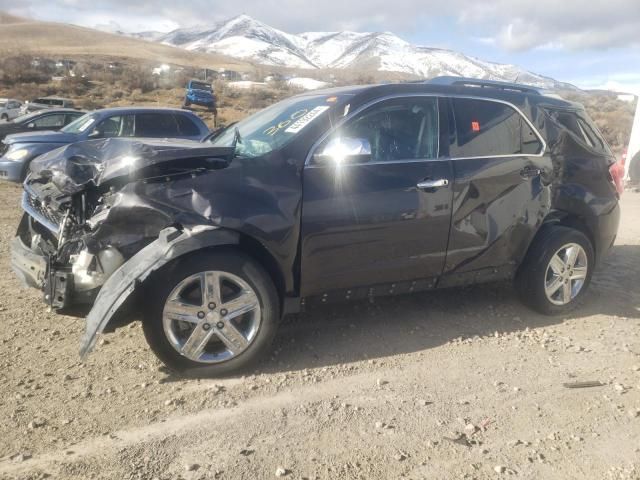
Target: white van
{"type": "Point", "coordinates": [632, 163]}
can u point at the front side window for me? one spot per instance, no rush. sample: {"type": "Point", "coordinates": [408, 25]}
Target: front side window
{"type": "Point", "coordinates": [156, 125]}
{"type": "Point", "coordinates": [50, 121]}
{"type": "Point", "coordinates": [397, 129]}
{"type": "Point", "coordinates": [486, 128]}
{"type": "Point", "coordinates": [187, 127]}
{"type": "Point", "coordinates": [117, 126]}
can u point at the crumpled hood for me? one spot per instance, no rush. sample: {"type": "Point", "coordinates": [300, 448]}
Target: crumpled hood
{"type": "Point", "coordinates": [41, 137]}
{"type": "Point", "coordinates": [96, 162]}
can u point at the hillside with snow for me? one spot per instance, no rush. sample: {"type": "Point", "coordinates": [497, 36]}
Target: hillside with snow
{"type": "Point", "coordinates": [246, 38]}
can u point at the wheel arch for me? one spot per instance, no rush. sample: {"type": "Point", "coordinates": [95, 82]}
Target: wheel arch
{"type": "Point", "coordinates": [564, 219]}
{"type": "Point", "coordinates": [120, 297]}
{"type": "Point", "coordinates": [243, 243]}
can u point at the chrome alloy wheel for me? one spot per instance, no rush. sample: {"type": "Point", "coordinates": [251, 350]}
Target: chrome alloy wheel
{"type": "Point", "coordinates": [566, 274]}
{"type": "Point", "coordinates": [211, 317]}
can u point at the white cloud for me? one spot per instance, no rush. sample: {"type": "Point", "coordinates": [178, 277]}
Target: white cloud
{"type": "Point", "coordinates": [515, 25]}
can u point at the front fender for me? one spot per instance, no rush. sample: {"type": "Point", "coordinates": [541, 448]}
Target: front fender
{"type": "Point", "coordinates": [170, 244]}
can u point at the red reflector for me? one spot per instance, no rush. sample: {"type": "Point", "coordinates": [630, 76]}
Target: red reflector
{"type": "Point", "coordinates": [475, 126]}
{"type": "Point", "coordinates": [617, 176]}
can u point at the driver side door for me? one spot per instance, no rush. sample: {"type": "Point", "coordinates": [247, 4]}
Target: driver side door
{"type": "Point", "coordinates": [380, 219]}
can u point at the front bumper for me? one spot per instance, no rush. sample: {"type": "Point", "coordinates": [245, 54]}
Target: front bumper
{"type": "Point", "coordinates": [11, 171]}
{"type": "Point", "coordinates": [29, 267]}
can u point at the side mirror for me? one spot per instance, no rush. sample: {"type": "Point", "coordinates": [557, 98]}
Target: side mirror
{"type": "Point", "coordinates": [31, 125]}
{"type": "Point", "coordinates": [95, 133]}
{"type": "Point", "coordinates": [340, 150]}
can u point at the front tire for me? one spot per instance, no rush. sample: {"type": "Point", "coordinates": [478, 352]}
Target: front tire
{"type": "Point", "coordinates": [4, 117]}
{"type": "Point", "coordinates": [214, 313]}
{"type": "Point", "coordinates": [557, 270]}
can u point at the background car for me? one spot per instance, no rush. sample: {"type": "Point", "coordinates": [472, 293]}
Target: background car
{"type": "Point", "coordinates": [53, 119]}
{"type": "Point", "coordinates": [19, 149]}
{"type": "Point", "coordinates": [9, 109]}
{"type": "Point", "coordinates": [200, 93]}
{"type": "Point", "coordinates": [47, 102]}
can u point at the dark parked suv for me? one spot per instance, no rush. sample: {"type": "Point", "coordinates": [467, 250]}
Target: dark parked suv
{"type": "Point", "coordinates": [343, 194]}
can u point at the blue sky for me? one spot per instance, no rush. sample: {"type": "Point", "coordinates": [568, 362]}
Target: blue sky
{"type": "Point", "coordinates": [592, 44]}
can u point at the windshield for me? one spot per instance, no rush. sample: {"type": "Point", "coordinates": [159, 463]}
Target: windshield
{"type": "Point", "coordinates": [80, 125]}
{"type": "Point", "coordinates": [200, 86]}
{"type": "Point", "coordinates": [273, 127]}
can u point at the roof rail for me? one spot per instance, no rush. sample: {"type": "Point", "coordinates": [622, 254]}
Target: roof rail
{"type": "Point", "coordinates": [475, 82]}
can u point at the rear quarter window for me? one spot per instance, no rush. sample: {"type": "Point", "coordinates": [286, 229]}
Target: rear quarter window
{"type": "Point", "coordinates": [581, 128]}
{"type": "Point", "coordinates": [486, 128]}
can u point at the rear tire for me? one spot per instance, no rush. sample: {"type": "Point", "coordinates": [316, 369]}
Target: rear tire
{"type": "Point", "coordinates": [548, 281]}
{"type": "Point", "coordinates": [229, 337]}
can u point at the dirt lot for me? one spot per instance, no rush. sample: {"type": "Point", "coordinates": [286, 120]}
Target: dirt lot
{"type": "Point", "coordinates": [452, 384]}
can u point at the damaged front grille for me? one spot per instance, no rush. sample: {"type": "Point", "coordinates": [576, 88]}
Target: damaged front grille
{"type": "Point", "coordinates": [40, 213]}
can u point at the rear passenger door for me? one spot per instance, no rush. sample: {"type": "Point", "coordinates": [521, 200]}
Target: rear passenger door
{"type": "Point", "coordinates": [374, 220]}
{"type": "Point", "coordinates": [499, 192]}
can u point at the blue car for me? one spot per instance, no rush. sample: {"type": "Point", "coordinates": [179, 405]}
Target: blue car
{"type": "Point", "coordinates": [200, 93]}
{"type": "Point", "coordinates": [17, 151]}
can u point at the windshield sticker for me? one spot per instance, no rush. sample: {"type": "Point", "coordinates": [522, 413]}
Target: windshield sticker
{"type": "Point", "coordinates": [85, 125]}
{"type": "Point", "coordinates": [272, 130]}
{"type": "Point", "coordinates": [306, 119]}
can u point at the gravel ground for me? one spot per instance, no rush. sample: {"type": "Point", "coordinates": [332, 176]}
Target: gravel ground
{"type": "Point", "coordinates": [460, 383]}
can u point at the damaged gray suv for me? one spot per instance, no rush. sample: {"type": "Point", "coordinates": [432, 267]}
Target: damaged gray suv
{"type": "Point", "coordinates": [343, 194]}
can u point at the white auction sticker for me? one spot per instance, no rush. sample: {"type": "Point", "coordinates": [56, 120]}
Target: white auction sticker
{"type": "Point", "coordinates": [306, 119]}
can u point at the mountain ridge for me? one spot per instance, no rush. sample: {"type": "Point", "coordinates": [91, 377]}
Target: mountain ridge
{"type": "Point", "coordinates": [248, 39]}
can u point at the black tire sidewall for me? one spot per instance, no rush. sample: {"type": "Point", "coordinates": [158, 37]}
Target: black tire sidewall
{"type": "Point", "coordinates": [226, 260]}
{"type": "Point", "coordinates": [530, 279]}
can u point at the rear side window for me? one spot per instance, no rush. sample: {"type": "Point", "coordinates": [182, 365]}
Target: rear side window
{"type": "Point", "coordinates": [187, 126]}
{"type": "Point", "coordinates": [485, 129]}
{"type": "Point", "coordinates": [156, 125]}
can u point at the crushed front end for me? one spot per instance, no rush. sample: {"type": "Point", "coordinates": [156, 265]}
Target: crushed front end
{"type": "Point", "coordinates": [54, 251]}
{"type": "Point", "coordinates": [88, 211]}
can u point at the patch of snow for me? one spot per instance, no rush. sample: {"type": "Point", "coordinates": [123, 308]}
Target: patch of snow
{"type": "Point", "coordinates": [246, 85]}
{"type": "Point", "coordinates": [306, 83]}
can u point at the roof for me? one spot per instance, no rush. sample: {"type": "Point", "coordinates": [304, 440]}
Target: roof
{"type": "Point", "coordinates": [495, 90]}
{"type": "Point", "coordinates": [142, 110]}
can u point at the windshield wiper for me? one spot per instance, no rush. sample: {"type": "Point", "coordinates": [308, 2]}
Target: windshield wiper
{"type": "Point", "coordinates": [236, 137]}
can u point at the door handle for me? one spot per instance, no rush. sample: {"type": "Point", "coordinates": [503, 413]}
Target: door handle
{"type": "Point", "coordinates": [530, 172]}
{"type": "Point", "coordinates": [429, 184]}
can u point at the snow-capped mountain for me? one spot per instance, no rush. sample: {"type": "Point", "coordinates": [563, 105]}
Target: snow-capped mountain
{"type": "Point", "coordinates": [246, 38]}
